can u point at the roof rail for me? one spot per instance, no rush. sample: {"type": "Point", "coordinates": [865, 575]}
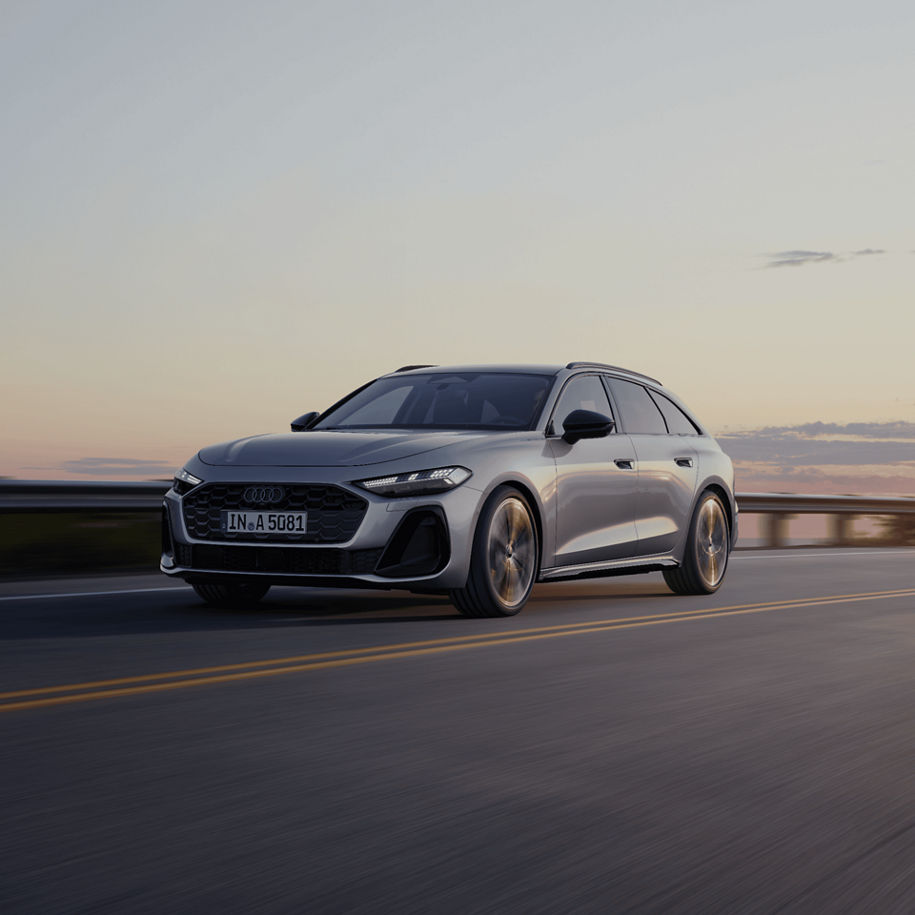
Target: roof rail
{"type": "Point", "coordinates": [612, 368]}
{"type": "Point", "coordinates": [410, 368]}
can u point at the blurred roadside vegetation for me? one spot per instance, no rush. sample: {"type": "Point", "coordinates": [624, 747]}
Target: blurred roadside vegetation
{"type": "Point", "coordinates": [898, 529]}
{"type": "Point", "coordinates": [33, 545]}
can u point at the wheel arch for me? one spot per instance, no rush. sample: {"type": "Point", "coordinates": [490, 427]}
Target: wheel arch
{"type": "Point", "coordinates": [727, 500]}
{"type": "Point", "coordinates": [482, 596]}
{"type": "Point", "coordinates": [530, 495]}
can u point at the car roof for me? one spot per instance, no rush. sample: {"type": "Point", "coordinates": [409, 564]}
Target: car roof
{"type": "Point", "coordinates": [522, 369]}
{"type": "Point", "coordinates": [454, 369]}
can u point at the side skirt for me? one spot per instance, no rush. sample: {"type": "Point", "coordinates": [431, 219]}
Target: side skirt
{"type": "Point", "coordinates": [606, 569]}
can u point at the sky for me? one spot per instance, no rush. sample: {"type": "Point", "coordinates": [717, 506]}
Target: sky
{"type": "Point", "coordinates": [219, 215]}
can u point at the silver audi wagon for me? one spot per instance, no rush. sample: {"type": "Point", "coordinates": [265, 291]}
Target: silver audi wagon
{"type": "Point", "coordinates": [471, 481]}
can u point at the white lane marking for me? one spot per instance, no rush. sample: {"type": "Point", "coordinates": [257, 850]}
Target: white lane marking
{"type": "Point", "coordinates": [89, 593]}
{"type": "Point", "coordinates": [803, 554]}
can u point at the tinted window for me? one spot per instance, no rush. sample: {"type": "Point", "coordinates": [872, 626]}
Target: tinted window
{"type": "Point", "coordinates": [584, 392]}
{"type": "Point", "coordinates": [469, 400]}
{"type": "Point", "coordinates": [638, 412]}
{"type": "Point", "coordinates": [678, 423]}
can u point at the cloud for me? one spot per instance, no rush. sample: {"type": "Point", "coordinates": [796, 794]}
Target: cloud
{"type": "Point", "coordinates": [876, 458]}
{"type": "Point", "coordinates": [753, 478]}
{"type": "Point", "coordinates": [893, 430]}
{"type": "Point", "coordinates": [816, 453]}
{"type": "Point", "coordinates": [823, 444]}
{"type": "Point", "coordinates": [118, 467]}
{"type": "Point", "coordinates": [800, 257]}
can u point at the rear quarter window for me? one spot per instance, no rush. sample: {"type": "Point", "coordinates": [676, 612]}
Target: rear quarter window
{"type": "Point", "coordinates": [678, 423]}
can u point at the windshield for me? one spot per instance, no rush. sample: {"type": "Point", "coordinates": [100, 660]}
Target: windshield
{"type": "Point", "coordinates": [468, 400]}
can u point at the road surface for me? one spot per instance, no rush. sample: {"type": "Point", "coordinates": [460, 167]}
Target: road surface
{"type": "Point", "coordinates": [612, 749]}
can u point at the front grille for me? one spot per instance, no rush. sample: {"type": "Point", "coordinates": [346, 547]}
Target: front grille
{"type": "Point", "coordinates": [334, 515]}
{"type": "Point", "coordinates": [278, 560]}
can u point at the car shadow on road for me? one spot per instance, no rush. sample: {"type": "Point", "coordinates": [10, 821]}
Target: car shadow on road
{"type": "Point", "coordinates": [180, 610]}
{"type": "Point", "coordinates": [563, 592]}
{"type": "Point", "coordinates": [334, 609]}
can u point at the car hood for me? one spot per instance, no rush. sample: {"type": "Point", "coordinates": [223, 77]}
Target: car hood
{"type": "Point", "coordinates": [328, 449]}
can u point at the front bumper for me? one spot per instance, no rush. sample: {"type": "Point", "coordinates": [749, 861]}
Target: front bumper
{"type": "Point", "coordinates": [420, 542]}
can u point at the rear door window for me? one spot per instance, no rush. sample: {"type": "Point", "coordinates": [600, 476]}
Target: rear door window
{"type": "Point", "coordinates": [638, 412]}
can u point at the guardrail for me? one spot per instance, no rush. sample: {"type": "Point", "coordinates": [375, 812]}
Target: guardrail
{"type": "Point", "coordinates": [777, 509]}
{"type": "Point", "coordinates": [78, 528]}
{"type": "Point", "coordinates": [55, 496]}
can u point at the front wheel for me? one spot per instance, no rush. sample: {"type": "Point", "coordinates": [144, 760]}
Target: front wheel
{"type": "Point", "coordinates": [235, 594]}
{"type": "Point", "coordinates": [503, 560]}
{"type": "Point", "coordinates": [705, 557]}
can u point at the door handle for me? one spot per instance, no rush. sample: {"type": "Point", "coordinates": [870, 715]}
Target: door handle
{"type": "Point", "coordinates": [683, 461]}
{"type": "Point", "coordinates": [623, 463]}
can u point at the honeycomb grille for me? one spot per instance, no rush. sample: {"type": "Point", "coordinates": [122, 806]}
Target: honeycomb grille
{"type": "Point", "coordinates": [334, 515]}
{"type": "Point", "coordinates": [279, 560]}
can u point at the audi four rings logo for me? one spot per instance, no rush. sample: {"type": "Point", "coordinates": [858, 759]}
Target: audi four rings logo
{"type": "Point", "coordinates": [265, 495]}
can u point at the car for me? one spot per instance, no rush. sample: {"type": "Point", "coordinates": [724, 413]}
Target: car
{"type": "Point", "coordinates": [475, 482]}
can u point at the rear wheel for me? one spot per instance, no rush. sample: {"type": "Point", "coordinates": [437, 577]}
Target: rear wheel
{"type": "Point", "coordinates": [236, 594]}
{"type": "Point", "coordinates": [503, 560]}
{"type": "Point", "coordinates": [705, 558]}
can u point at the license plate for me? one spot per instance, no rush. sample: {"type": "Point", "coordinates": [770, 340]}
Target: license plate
{"type": "Point", "coordinates": [277, 523]}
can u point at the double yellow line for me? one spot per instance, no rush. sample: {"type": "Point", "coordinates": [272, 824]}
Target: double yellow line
{"type": "Point", "coordinates": [272, 667]}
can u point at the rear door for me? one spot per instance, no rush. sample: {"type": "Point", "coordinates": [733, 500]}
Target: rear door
{"type": "Point", "coordinates": [596, 482]}
{"type": "Point", "coordinates": [666, 466]}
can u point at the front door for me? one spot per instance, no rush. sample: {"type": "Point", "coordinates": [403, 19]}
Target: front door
{"type": "Point", "coordinates": [596, 481]}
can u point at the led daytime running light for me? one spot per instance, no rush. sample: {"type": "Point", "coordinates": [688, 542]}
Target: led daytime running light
{"type": "Point", "coordinates": [185, 482]}
{"type": "Point", "coordinates": [418, 482]}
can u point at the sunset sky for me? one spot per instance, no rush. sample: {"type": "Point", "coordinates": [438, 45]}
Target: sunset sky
{"type": "Point", "coordinates": [217, 216]}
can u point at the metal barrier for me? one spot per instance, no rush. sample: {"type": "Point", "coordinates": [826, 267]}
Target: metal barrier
{"type": "Point", "coordinates": [79, 528]}
{"type": "Point", "coordinates": [38, 496]}
{"type": "Point", "coordinates": [54, 496]}
{"type": "Point", "coordinates": [778, 509]}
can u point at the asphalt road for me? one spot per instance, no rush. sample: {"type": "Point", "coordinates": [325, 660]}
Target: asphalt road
{"type": "Point", "coordinates": [612, 749]}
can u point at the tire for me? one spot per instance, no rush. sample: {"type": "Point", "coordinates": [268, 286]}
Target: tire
{"type": "Point", "coordinates": [504, 558]}
{"type": "Point", "coordinates": [236, 594]}
{"type": "Point", "coordinates": [705, 558]}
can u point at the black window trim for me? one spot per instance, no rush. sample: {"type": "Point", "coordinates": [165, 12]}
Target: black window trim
{"type": "Point", "coordinates": [606, 379]}
{"type": "Point", "coordinates": [549, 429]}
{"type": "Point", "coordinates": [689, 418]}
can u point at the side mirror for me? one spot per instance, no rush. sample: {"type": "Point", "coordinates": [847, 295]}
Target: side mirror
{"type": "Point", "coordinates": [581, 424]}
{"type": "Point", "coordinates": [304, 421]}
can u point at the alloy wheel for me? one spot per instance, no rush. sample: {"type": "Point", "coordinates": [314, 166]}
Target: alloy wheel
{"type": "Point", "coordinates": [712, 542]}
{"type": "Point", "coordinates": [512, 551]}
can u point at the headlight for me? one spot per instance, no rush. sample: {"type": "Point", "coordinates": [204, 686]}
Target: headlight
{"type": "Point", "coordinates": [418, 483]}
{"type": "Point", "coordinates": [185, 482]}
